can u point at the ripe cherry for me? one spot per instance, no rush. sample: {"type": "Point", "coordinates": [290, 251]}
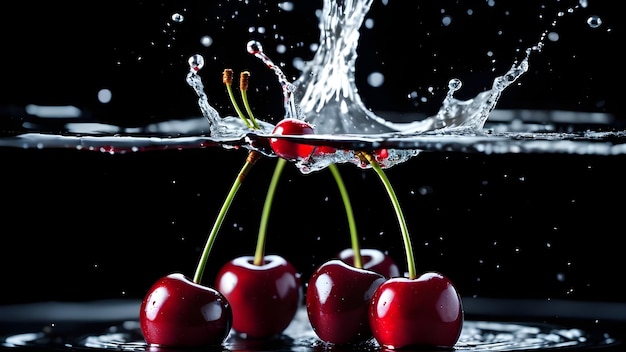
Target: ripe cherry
{"type": "Point", "coordinates": [337, 302]}
{"type": "Point", "coordinates": [176, 312]}
{"type": "Point", "coordinates": [288, 149]}
{"type": "Point", "coordinates": [425, 311]}
{"type": "Point", "coordinates": [264, 298]}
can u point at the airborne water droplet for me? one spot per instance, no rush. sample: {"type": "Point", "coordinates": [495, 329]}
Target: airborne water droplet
{"type": "Point", "coordinates": [455, 84]}
{"type": "Point", "coordinates": [196, 62]}
{"type": "Point", "coordinates": [594, 21]}
{"type": "Point", "coordinates": [254, 47]}
{"type": "Point", "coordinates": [206, 41]}
{"type": "Point", "coordinates": [177, 17]}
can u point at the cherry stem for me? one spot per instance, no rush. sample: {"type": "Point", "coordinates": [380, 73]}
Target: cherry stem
{"type": "Point", "coordinates": [408, 248]}
{"type": "Point", "coordinates": [259, 254]}
{"type": "Point", "coordinates": [252, 158]}
{"type": "Point", "coordinates": [356, 249]}
{"type": "Point", "coordinates": [269, 198]}
{"type": "Point", "coordinates": [227, 78]}
{"type": "Point", "coordinates": [243, 87]}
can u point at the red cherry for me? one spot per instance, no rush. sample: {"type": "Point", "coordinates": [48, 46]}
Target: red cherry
{"type": "Point", "coordinates": [176, 312]}
{"type": "Point", "coordinates": [425, 311]}
{"type": "Point", "coordinates": [373, 260]}
{"type": "Point", "coordinates": [337, 302]}
{"type": "Point", "coordinates": [324, 149]}
{"type": "Point", "coordinates": [381, 155]}
{"type": "Point", "coordinates": [287, 149]}
{"type": "Point", "coordinates": [264, 298]}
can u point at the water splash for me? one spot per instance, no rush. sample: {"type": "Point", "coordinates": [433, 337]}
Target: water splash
{"type": "Point", "coordinates": [325, 94]}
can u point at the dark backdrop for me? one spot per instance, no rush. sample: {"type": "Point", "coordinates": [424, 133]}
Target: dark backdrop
{"type": "Point", "coordinates": [81, 225]}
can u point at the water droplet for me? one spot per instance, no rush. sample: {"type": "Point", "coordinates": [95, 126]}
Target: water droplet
{"type": "Point", "coordinates": [455, 84]}
{"type": "Point", "coordinates": [375, 79]}
{"type": "Point", "coordinates": [286, 6]}
{"type": "Point", "coordinates": [196, 62]}
{"type": "Point", "coordinates": [594, 21]}
{"type": "Point", "coordinates": [254, 47]}
{"type": "Point", "coordinates": [206, 41]}
{"type": "Point", "coordinates": [104, 96]}
{"type": "Point", "coordinates": [177, 17]}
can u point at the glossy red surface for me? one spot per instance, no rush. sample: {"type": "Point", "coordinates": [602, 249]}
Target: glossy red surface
{"type": "Point", "coordinates": [426, 311]}
{"type": "Point", "coordinates": [337, 302]}
{"type": "Point", "coordinates": [264, 298]}
{"type": "Point", "coordinates": [176, 312]}
{"type": "Point", "coordinates": [287, 149]}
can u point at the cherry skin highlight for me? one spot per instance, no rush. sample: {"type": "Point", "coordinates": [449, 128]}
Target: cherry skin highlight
{"type": "Point", "coordinates": [426, 311]}
{"type": "Point", "coordinates": [264, 298]}
{"type": "Point", "coordinates": [337, 302]}
{"type": "Point", "coordinates": [373, 260]}
{"type": "Point", "coordinates": [178, 313]}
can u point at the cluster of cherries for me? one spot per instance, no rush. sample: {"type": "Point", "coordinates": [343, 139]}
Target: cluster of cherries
{"type": "Point", "coordinates": [350, 299]}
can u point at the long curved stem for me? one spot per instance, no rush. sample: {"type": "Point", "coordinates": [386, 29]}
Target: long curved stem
{"type": "Point", "coordinates": [408, 248]}
{"type": "Point", "coordinates": [269, 198]}
{"type": "Point", "coordinates": [356, 248]}
{"type": "Point", "coordinates": [252, 158]}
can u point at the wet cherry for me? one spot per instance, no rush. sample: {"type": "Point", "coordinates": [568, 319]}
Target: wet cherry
{"type": "Point", "coordinates": [176, 312]}
{"type": "Point", "coordinates": [288, 149]}
{"type": "Point", "coordinates": [264, 297]}
{"type": "Point", "coordinates": [425, 311]}
{"type": "Point", "coordinates": [337, 302]}
{"type": "Point", "coordinates": [374, 260]}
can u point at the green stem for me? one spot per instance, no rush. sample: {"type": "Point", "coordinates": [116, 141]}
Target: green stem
{"type": "Point", "coordinates": [252, 158]}
{"type": "Point", "coordinates": [408, 248]}
{"type": "Point", "coordinates": [259, 254]}
{"type": "Point", "coordinates": [244, 96]}
{"type": "Point", "coordinates": [269, 198]}
{"type": "Point", "coordinates": [358, 262]}
{"type": "Point", "coordinates": [229, 88]}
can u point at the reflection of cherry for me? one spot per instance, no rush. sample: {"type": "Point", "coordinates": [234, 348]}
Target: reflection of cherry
{"type": "Point", "coordinates": [373, 260]}
{"type": "Point", "coordinates": [177, 312]}
{"type": "Point", "coordinates": [264, 297]}
{"type": "Point", "coordinates": [337, 302]}
{"type": "Point", "coordinates": [425, 311]}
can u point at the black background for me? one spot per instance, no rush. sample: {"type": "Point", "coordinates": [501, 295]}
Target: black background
{"type": "Point", "coordinates": [83, 225]}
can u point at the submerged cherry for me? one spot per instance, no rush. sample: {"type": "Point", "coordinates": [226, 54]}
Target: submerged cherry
{"type": "Point", "coordinates": [176, 312]}
{"type": "Point", "coordinates": [425, 311]}
{"type": "Point", "coordinates": [264, 297]}
{"type": "Point", "coordinates": [337, 302]}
